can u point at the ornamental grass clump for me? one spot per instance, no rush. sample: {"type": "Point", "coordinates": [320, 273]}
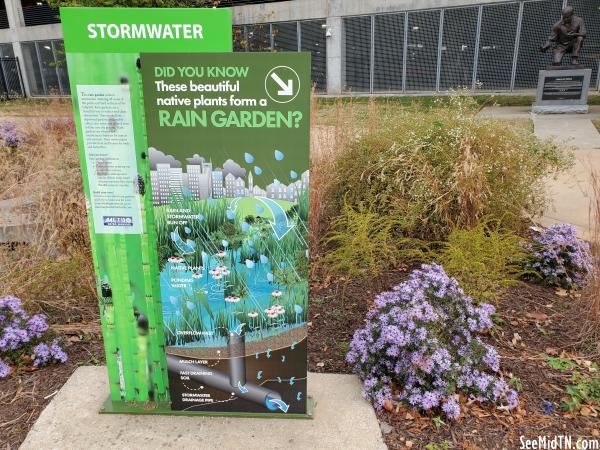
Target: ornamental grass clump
{"type": "Point", "coordinates": [421, 347]}
{"type": "Point", "coordinates": [24, 335]}
{"type": "Point", "coordinates": [444, 168]}
{"type": "Point", "coordinates": [559, 257]}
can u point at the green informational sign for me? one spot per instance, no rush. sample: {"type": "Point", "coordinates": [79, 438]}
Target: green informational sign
{"type": "Point", "coordinates": [102, 50]}
{"type": "Point", "coordinates": [228, 138]}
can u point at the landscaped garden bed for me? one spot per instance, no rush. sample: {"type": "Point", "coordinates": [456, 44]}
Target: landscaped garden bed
{"type": "Point", "coordinates": [392, 188]}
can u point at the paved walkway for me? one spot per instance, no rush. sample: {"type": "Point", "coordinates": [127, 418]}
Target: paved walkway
{"type": "Point", "coordinates": [342, 420]}
{"type": "Point", "coordinates": [571, 192]}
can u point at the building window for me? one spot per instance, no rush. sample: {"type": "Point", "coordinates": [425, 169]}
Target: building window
{"type": "Point", "coordinates": [45, 66]}
{"type": "Point", "coordinates": [389, 52]}
{"type": "Point", "coordinates": [285, 36]}
{"type": "Point", "coordinates": [313, 40]}
{"type": "Point", "coordinates": [458, 48]}
{"type": "Point", "coordinates": [3, 16]}
{"type": "Point", "coordinates": [7, 51]}
{"type": "Point", "coordinates": [422, 50]}
{"type": "Point", "coordinates": [36, 12]}
{"type": "Point", "coordinates": [306, 36]}
{"type": "Point", "coordinates": [357, 51]}
{"type": "Point", "coordinates": [496, 46]}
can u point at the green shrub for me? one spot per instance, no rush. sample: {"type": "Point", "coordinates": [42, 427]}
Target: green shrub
{"type": "Point", "coordinates": [485, 259]}
{"type": "Point", "coordinates": [364, 243]}
{"type": "Point", "coordinates": [444, 168]}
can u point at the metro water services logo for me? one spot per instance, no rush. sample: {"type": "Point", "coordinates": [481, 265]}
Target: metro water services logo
{"type": "Point", "coordinates": [118, 221]}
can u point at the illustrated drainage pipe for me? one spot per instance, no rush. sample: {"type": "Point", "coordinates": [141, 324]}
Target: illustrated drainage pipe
{"type": "Point", "coordinates": [236, 378]}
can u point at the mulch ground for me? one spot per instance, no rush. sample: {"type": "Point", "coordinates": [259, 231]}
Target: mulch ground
{"type": "Point", "coordinates": [23, 396]}
{"type": "Point", "coordinates": [534, 321]}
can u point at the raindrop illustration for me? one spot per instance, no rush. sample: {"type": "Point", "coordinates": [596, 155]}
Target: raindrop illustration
{"type": "Point", "coordinates": [249, 264]}
{"type": "Point", "coordinates": [270, 277]}
{"type": "Point", "coordinates": [200, 217]}
{"type": "Point", "coordinates": [260, 209]}
{"type": "Point", "coordinates": [173, 300]}
{"type": "Point", "coordinates": [298, 309]}
{"type": "Point", "coordinates": [190, 305]}
{"type": "Point", "coordinates": [187, 230]}
{"type": "Point", "coordinates": [276, 182]}
{"type": "Point", "coordinates": [225, 243]}
{"type": "Point", "coordinates": [257, 170]}
{"type": "Point", "coordinates": [293, 175]}
{"type": "Point", "coordinates": [279, 155]}
{"type": "Point", "coordinates": [245, 227]}
{"type": "Point", "coordinates": [230, 214]}
{"type": "Point", "coordinates": [264, 259]}
{"type": "Point", "coordinates": [283, 264]}
{"type": "Point", "coordinates": [250, 243]}
{"type": "Point", "coordinates": [248, 158]}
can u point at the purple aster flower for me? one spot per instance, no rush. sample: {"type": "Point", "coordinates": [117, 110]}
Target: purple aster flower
{"type": "Point", "coordinates": [422, 338]}
{"type": "Point", "coordinates": [4, 369]}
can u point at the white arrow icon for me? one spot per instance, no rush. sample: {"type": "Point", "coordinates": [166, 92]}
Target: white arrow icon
{"type": "Point", "coordinates": [287, 89]}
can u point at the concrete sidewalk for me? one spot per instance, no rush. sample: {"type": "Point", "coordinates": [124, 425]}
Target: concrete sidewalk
{"type": "Point", "coordinates": [342, 420]}
{"type": "Point", "coordinates": [571, 193]}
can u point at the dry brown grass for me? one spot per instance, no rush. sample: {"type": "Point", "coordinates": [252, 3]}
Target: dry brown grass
{"type": "Point", "coordinates": [590, 299]}
{"type": "Point", "coordinates": [53, 272]}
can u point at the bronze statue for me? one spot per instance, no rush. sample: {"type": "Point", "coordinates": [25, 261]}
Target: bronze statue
{"type": "Point", "coordinates": [567, 37]}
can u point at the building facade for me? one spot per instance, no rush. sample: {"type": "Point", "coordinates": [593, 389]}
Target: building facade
{"type": "Point", "coordinates": [357, 46]}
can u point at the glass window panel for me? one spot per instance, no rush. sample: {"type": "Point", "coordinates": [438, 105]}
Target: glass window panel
{"type": "Point", "coordinates": [422, 50]}
{"type": "Point", "coordinates": [285, 37]}
{"type": "Point", "coordinates": [12, 77]}
{"type": "Point", "coordinates": [48, 66]}
{"type": "Point", "coordinates": [458, 47]}
{"type": "Point", "coordinates": [7, 51]}
{"type": "Point", "coordinates": [259, 37]}
{"type": "Point", "coordinates": [357, 51]}
{"type": "Point", "coordinates": [538, 18]}
{"type": "Point", "coordinates": [496, 46]}
{"type": "Point", "coordinates": [313, 40]}
{"type": "Point", "coordinates": [589, 10]}
{"type": "Point", "coordinates": [389, 50]}
{"type": "Point", "coordinates": [61, 66]}
{"type": "Point", "coordinates": [32, 68]}
{"type": "Point", "coordinates": [239, 40]}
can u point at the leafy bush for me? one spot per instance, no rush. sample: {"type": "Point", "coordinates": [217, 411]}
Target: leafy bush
{"type": "Point", "coordinates": [485, 259]}
{"type": "Point", "coordinates": [363, 243]}
{"type": "Point", "coordinates": [444, 168]}
{"type": "Point", "coordinates": [420, 346]}
{"type": "Point", "coordinates": [559, 257]}
{"type": "Point", "coordinates": [21, 335]}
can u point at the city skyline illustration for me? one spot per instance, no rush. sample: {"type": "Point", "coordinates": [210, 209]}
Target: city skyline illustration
{"type": "Point", "coordinates": [201, 180]}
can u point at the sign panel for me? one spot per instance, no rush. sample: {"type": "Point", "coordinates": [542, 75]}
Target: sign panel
{"type": "Point", "coordinates": [563, 88]}
{"type": "Point", "coordinates": [228, 138]}
{"type": "Point", "coordinates": [102, 51]}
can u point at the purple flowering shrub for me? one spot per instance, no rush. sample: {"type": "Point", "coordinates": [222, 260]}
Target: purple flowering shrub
{"type": "Point", "coordinates": [23, 334]}
{"type": "Point", "coordinates": [559, 257]}
{"type": "Point", "coordinates": [420, 346]}
{"type": "Point", "coordinates": [11, 136]}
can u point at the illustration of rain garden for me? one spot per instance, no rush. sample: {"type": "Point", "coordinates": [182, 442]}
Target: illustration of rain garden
{"type": "Point", "coordinates": [227, 270]}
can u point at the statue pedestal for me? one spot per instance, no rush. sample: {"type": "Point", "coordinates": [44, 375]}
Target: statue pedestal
{"type": "Point", "coordinates": [563, 90]}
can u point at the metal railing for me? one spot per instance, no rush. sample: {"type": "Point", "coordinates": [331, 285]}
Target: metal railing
{"type": "Point", "coordinates": [11, 82]}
